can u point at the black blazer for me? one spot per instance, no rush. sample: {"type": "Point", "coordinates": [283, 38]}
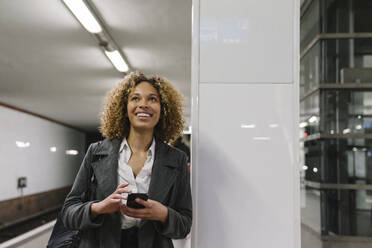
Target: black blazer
{"type": "Point", "coordinates": [170, 185]}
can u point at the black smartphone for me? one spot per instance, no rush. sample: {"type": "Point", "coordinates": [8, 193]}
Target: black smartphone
{"type": "Point", "coordinates": [132, 197]}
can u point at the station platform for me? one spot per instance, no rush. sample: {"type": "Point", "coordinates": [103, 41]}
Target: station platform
{"type": "Point", "coordinates": [35, 238]}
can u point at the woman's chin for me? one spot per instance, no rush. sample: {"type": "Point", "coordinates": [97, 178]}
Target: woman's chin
{"type": "Point", "coordinates": [143, 128]}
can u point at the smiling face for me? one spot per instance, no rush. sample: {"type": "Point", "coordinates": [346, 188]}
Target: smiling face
{"type": "Point", "coordinates": [143, 107]}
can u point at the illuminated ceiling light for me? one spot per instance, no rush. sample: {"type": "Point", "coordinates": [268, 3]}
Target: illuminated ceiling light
{"type": "Point", "coordinates": [347, 130]}
{"type": "Point", "coordinates": [332, 131]}
{"type": "Point", "coordinates": [305, 167]}
{"type": "Point", "coordinates": [359, 117]}
{"type": "Point", "coordinates": [117, 60]}
{"type": "Point", "coordinates": [83, 14]}
{"type": "Point", "coordinates": [187, 131]}
{"type": "Point", "coordinates": [355, 149]}
{"type": "Point", "coordinates": [262, 138]}
{"type": "Point", "coordinates": [53, 149]}
{"type": "Point", "coordinates": [247, 125]}
{"type": "Point", "coordinates": [303, 124]}
{"type": "Point", "coordinates": [358, 127]}
{"type": "Point", "coordinates": [273, 125]}
{"type": "Point", "coordinates": [72, 152]}
{"type": "Point", "coordinates": [90, 19]}
{"type": "Point", "coordinates": [22, 144]}
{"type": "Point", "coordinates": [313, 119]}
{"type": "Point", "coordinates": [315, 169]}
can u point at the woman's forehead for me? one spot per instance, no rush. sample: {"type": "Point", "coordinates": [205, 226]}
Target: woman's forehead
{"type": "Point", "coordinates": [144, 88]}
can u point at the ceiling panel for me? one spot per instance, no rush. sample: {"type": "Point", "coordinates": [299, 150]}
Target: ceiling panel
{"type": "Point", "coordinates": [51, 66]}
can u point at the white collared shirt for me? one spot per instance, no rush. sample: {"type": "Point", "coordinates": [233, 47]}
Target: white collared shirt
{"type": "Point", "coordinates": [138, 184]}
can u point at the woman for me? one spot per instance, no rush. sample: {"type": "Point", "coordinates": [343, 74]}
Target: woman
{"type": "Point", "coordinates": [141, 115]}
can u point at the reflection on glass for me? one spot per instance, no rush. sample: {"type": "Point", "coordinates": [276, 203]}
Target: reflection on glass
{"type": "Point", "coordinates": [346, 61]}
{"type": "Point", "coordinates": [224, 31]}
{"type": "Point", "coordinates": [310, 69]}
{"type": "Point", "coordinates": [22, 144]}
{"type": "Point", "coordinates": [349, 212]}
{"type": "Point", "coordinates": [309, 114]}
{"type": "Point", "coordinates": [72, 152]}
{"type": "Point", "coordinates": [342, 16]}
{"type": "Point", "coordinates": [247, 125]}
{"type": "Point", "coordinates": [310, 26]}
{"type": "Point", "coordinates": [335, 16]}
{"type": "Point", "coordinates": [345, 161]}
{"type": "Point", "coordinates": [347, 112]}
{"type": "Point", "coordinates": [313, 119]}
{"type": "Point", "coordinates": [310, 209]}
{"type": "Point", "coordinates": [303, 124]}
{"type": "Point", "coordinates": [336, 61]}
{"type": "Point", "coordinates": [341, 155]}
{"type": "Point", "coordinates": [261, 138]}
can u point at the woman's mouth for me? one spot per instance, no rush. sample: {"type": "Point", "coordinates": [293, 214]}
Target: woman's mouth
{"type": "Point", "coordinates": [143, 115]}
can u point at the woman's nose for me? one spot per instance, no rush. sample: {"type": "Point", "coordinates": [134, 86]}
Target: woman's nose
{"type": "Point", "coordinates": [143, 105]}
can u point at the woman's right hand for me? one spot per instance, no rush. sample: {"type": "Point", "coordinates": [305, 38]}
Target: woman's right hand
{"type": "Point", "coordinates": [111, 204]}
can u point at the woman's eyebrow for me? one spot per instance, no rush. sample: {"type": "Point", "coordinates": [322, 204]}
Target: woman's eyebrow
{"type": "Point", "coordinates": [153, 94]}
{"type": "Point", "coordinates": [138, 94]}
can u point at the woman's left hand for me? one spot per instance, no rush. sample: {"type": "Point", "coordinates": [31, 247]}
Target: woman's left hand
{"type": "Point", "coordinates": [153, 210]}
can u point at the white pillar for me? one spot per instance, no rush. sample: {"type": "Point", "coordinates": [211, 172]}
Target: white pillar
{"type": "Point", "coordinates": [245, 97]}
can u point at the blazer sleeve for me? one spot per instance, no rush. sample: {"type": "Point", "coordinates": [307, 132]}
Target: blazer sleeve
{"type": "Point", "coordinates": [75, 213]}
{"type": "Point", "coordinates": [179, 221]}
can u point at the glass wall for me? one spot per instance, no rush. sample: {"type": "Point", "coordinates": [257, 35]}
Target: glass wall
{"type": "Point", "coordinates": [334, 16]}
{"type": "Point", "coordinates": [346, 112]}
{"type": "Point", "coordinates": [348, 212]}
{"type": "Point", "coordinates": [336, 116]}
{"type": "Point", "coordinates": [337, 61]}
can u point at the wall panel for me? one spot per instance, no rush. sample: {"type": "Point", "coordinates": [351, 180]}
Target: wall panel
{"type": "Point", "coordinates": [248, 41]}
{"type": "Point", "coordinates": [45, 170]}
{"type": "Point", "coordinates": [245, 166]}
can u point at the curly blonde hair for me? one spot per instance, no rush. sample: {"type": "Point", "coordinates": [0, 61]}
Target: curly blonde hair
{"type": "Point", "coordinates": [115, 123]}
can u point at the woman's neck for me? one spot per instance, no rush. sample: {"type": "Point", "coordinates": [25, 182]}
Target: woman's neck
{"type": "Point", "coordinates": [140, 141]}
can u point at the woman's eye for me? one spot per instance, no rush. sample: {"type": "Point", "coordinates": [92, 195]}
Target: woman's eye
{"type": "Point", "coordinates": [134, 98]}
{"type": "Point", "coordinates": [153, 99]}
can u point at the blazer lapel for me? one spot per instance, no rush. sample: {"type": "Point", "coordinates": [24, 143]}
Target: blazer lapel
{"type": "Point", "coordinates": [105, 166]}
{"type": "Point", "coordinates": [163, 175]}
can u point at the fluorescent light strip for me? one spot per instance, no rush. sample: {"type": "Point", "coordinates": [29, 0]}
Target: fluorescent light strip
{"type": "Point", "coordinates": [83, 14]}
{"type": "Point", "coordinates": [303, 124]}
{"type": "Point", "coordinates": [72, 152]}
{"type": "Point", "coordinates": [22, 144]}
{"type": "Point", "coordinates": [247, 125]}
{"type": "Point", "coordinates": [117, 60]}
{"type": "Point", "coordinates": [313, 119]}
{"type": "Point", "coordinates": [261, 138]}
